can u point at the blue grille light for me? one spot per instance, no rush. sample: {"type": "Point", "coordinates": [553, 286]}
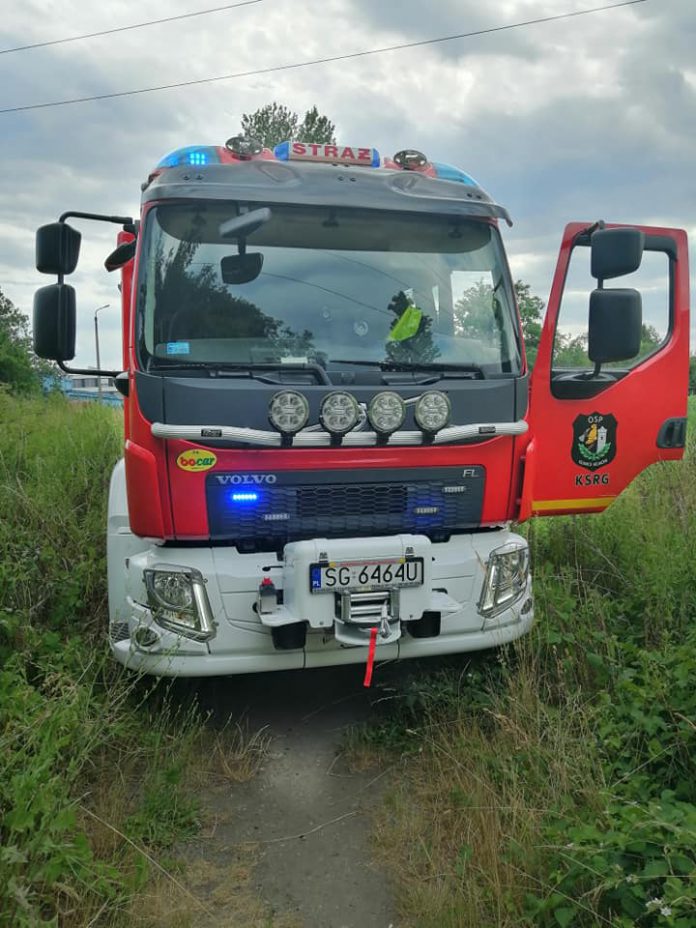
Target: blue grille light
{"type": "Point", "coordinates": [428, 512]}
{"type": "Point", "coordinates": [245, 497]}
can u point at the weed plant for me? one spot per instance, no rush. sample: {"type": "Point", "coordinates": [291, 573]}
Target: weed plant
{"type": "Point", "coordinates": [96, 774]}
{"type": "Point", "coordinates": [553, 783]}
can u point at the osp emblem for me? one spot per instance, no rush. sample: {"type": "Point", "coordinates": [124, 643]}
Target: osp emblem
{"type": "Point", "coordinates": [594, 440]}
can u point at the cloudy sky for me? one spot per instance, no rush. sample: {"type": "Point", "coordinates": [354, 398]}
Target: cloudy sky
{"type": "Point", "coordinates": [580, 119]}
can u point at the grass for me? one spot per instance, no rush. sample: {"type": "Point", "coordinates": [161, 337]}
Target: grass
{"type": "Point", "coordinates": [100, 773]}
{"type": "Point", "coordinates": [552, 783]}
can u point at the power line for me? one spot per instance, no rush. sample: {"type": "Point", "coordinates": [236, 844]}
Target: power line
{"type": "Point", "coordinates": [151, 22]}
{"type": "Point", "coordinates": [315, 61]}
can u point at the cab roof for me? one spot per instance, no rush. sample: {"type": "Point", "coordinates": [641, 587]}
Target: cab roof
{"type": "Point", "coordinates": [320, 174]}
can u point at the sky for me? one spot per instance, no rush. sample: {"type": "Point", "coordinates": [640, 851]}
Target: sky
{"type": "Point", "coordinates": [587, 118]}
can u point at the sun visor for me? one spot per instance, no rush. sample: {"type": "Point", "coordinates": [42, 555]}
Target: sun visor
{"type": "Point", "coordinates": [328, 228]}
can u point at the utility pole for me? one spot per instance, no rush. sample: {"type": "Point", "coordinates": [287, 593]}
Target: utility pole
{"type": "Point", "coordinates": [96, 342]}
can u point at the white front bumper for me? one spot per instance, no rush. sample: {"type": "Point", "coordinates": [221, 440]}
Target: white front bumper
{"type": "Point", "coordinates": [453, 577]}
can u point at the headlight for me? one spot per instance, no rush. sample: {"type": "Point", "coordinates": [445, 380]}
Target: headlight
{"type": "Point", "coordinates": [339, 412]}
{"type": "Point", "coordinates": [288, 411]}
{"type": "Point", "coordinates": [432, 411]}
{"type": "Point", "coordinates": [173, 590]}
{"type": "Point", "coordinates": [178, 600]}
{"type": "Point", "coordinates": [506, 578]}
{"type": "Point", "coordinates": [386, 412]}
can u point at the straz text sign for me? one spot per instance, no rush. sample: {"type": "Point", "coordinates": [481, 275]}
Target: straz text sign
{"type": "Point", "coordinates": [335, 154]}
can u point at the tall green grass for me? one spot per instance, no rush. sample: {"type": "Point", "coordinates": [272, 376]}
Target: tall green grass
{"type": "Point", "coordinates": [93, 768]}
{"type": "Point", "coordinates": [554, 782]}
{"type": "Point", "coordinates": [549, 784]}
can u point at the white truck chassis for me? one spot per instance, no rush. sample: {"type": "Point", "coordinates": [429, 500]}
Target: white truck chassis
{"type": "Point", "coordinates": [240, 621]}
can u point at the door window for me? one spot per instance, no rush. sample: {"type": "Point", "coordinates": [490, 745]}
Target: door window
{"type": "Point", "coordinates": [651, 279]}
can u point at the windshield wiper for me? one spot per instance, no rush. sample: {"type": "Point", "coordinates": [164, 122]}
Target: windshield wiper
{"type": "Point", "coordinates": [249, 368]}
{"type": "Point", "coordinates": [443, 366]}
{"type": "Point", "coordinates": [161, 364]}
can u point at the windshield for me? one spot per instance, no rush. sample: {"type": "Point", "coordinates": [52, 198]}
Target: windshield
{"type": "Point", "coordinates": [299, 284]}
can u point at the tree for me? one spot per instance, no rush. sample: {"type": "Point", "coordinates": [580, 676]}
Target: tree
{"type": "Point", "coordinates": [571, 351]}
{"type": "Point", "coordinates": [275, 123]}
{"type": "Point", "coordinates": [477, 315]}
{"type": "Point", "coordinates": [316, 128]}
{"type": "Point", "coordinates": [531, 314]}
{"type": "Point", "coordinates": [192, 303]}
{"type": "Point", "coordinates": [17, 371]}
{"type": "Point", "coordinates": [650, 339]}
{"type": "Point", "coordinates": [473, 313]}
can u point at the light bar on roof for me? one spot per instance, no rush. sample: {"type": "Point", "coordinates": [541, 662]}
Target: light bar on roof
{"type": "Point", "coordinates": [331, 154]}
{"type": "Point", "coordinates": [192, 155]}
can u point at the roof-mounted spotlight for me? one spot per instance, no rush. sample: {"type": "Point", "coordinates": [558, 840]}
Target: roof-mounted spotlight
{"type": "Point", "coordinates": [410, 160]}
{"type": "Point", "coordinates": [432, 413]}
{"type": "Point", "coordinates": [243, 147]}
{"type": "Point", "coordinates": [339, 413]}
{"type": "Point", "coordinates": [288, 412]}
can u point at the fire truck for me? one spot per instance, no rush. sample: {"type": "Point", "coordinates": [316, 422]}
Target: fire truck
{"type": "Point", "coordinates": [330, 424]}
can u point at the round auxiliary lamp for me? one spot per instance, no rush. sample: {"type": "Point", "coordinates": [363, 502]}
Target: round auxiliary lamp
{"type": "Point", "coordinates": [288, 412]}
{"type": "Point", "coordinates": [339, 413]}
{"type": "Point", "coordinates": [386, 412]}
{"type": "Point", "coordinates": [432, 413]}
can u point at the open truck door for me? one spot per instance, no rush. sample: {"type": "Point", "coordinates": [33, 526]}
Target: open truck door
{"type": "Point", "coordinates": [608, 393]}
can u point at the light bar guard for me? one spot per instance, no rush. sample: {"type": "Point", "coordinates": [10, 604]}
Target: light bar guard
{"type": "Point", "coordinates": [310, 439]}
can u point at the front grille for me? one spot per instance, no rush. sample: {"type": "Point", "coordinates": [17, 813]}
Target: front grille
{"type": "Point", "coordinates": [339, 502]}
{"type": "Point", "coordinates": [294, 505]}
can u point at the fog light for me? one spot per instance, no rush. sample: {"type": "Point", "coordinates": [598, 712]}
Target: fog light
{"type": "Point", "coordinates": [339, 412]}
{"type": "Point", "coordinates": [386, 412]}
{"type": "Point", "coordinates": [288, 411]}
{"type": "Point", "coordinates": [178, 601]}
{"type": "Point", "coordinates": [507, 574]}
{"type": "Point", "coordinates": [432, 411]}
{"type": "Point", "coordinates": [145, 637]}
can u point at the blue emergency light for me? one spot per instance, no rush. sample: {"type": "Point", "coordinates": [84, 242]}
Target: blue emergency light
{"type": "Point", "coordinates": [245, 497]}
{"type": "Point", "coordinates": [449, 172]}
{"type": "Point", "coordinates": [191, 156]}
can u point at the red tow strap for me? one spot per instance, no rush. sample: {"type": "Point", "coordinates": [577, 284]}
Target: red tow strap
{"type": "Point", "coordinates": [370, 657]}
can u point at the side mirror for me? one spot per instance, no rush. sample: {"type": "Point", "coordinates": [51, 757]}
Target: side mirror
{"type": "Point", "coordinates": [54, 322]}
{"type": "Point", "coordinates": [616, 252]}
{"type": "Point", "coordinates": [241, 269]}
{"type": "Point", "coordinates": [57, 248]}
{"type": "Point", "coordinates": [121, 255]}
{"type": "Point", "coordinates": [615, 326]}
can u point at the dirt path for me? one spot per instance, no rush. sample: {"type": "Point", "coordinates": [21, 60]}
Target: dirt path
{"type": "Point", "coordinates": [306, 810]}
